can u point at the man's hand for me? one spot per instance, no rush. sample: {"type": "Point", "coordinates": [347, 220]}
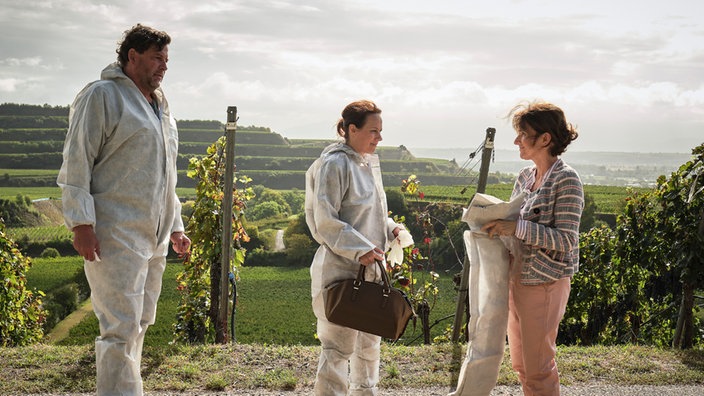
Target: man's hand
{"type": "Point", "coordinates": [181, 244]}
{"type": "Point", "coordinates": [86, 242]}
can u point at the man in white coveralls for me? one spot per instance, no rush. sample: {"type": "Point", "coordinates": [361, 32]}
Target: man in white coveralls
{"type": "Point", "coordinates": [118, 181]}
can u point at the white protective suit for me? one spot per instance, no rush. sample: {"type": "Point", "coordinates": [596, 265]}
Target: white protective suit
{"type": "Point", "coordinates": [347, 214]}
{"type": "Point", "coordinates": [489, 274]}
{"type": "Point", "coordinates": [119, 175]}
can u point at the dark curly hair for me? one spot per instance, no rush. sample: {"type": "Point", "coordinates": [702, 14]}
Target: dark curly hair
{"type": "Point", "coordinates": [141, 38]}
{"type": "Point", "coordinates": [544, 117]}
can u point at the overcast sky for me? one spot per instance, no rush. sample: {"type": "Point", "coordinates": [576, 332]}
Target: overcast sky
{"type": "Point", "coordinates": [629, 74]}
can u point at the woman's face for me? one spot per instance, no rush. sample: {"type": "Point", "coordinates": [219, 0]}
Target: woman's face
{"type": "Point", "coordinates": [365, 139]}
{"type": "Point", "coordinates": [529, 143]}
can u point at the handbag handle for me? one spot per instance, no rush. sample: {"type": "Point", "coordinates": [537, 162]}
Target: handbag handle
{"type": "Point", "coordinates": [384, 276]}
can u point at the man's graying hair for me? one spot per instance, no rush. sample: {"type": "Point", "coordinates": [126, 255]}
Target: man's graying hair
{"type": "Point", "coordinates": [141, 38]}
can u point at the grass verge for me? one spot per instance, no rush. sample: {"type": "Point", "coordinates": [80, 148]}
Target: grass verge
{"type": "Point", "coordinates": [220, 368]}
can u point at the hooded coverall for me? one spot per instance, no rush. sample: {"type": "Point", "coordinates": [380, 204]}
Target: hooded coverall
{"type": "Point", "coordinates": [347, 213]}
{"type": "Point", "coordinates": [119, 175]}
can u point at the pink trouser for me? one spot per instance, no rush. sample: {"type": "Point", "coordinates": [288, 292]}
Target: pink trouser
{"type": "Point", "coordinates": [535, 313]}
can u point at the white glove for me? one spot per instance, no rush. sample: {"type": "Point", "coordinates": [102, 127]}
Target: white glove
{"type": "Point", "coordinates": [404, 239]}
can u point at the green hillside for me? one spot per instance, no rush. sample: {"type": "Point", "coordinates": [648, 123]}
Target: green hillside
{"type": "Point", "coordinates": [31, 141]}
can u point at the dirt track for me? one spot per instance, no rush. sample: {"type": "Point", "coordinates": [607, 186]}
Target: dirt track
{"type": "Point", "coordinates": [581, 390]}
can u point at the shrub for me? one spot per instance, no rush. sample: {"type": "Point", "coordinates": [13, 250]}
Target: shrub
{"type": "Point", "coordinates": [255, 238]}
{"type": "Point", "coordinates": [265, 258]}
{"type": "Point", "coordinates": [299, 250]}
{"type": "Point", "coordinates": [265, 210]}
{"type": "Point", "coordinates": [198, 318]}
{"type": "Point", "coordinates": [21, 312]}
{"type": "Point", "coordinates": [50, 252]}
{"type": "Point", "coordinates": [295, 200]}
{"type": "Point", "coordinates": [60, 303]}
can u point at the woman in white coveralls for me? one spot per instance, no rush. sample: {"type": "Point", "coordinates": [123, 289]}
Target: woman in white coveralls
{"type": "Point", "coordinates": [347, 213]}
{"type": "Point", "coordinates": [118, 181]}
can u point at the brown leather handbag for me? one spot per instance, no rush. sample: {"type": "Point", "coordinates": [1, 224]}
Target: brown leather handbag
{"type": "Point", "coordinates": [367, 306]}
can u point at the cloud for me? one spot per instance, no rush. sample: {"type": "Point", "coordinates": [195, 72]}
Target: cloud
{"type": "Point", "coordinates": [441, 71]}
{"type": "Point", "coordinates": [9, 84]}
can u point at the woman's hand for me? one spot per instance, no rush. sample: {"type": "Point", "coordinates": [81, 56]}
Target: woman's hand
{"type": "Point", "coordinates": [498, 228]}
{"type": "Point", "coordinates": [371, 257]}
{"type": "Point", "coordinates": [396, 231]}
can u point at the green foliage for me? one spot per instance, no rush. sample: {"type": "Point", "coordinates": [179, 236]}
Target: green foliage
{"type": "Point", "coordinates": [33, 121]}
{"type": "Point", "coordinates": [269, 203]}
{"type": "Point", "coordinates": [299, 249]}
{"type": "Point", "coordinates": [60, 303]}
{"type": "Point", "coordinates": [41, 233]}
{"type": "Point", "coordinates": [295, 199]}
{"type": "Point", "coordinates": [64, 283]}
{"type": "Point", "coordinates": [34, 241]}
{"type": "Point", "coordinates": [298, 225]}
{"type": "Point", "coordinates": [416, 273]}
{"type": "Point", "coordinates": [396, 202]}
{"type": "Point", "coordinates": [18, 212]}
{"type": "Point", "coordinates": [260, 257]}
{"type": "Point", "coordinates": [264, 194]}
{"type": "Point", "coordinates": [25, 147]}
{"type": "Point", "coordinates": [33, 193]}
{"type": "Point", "coordinates": [273, 304]}
{"type": "Point", "coordinates": [200, 124]}
{"type": "Point", "coordinates": [267, 209]}
{"type": "Point", "coordinates": [632, 279]}
{"type": "Point", "coordinates": [50, 253]}
{"type": "Point", "coordinates": [680, 206]}
{"type": "Point", "coordinates": [25, 135]}
{"type": "Point", "coordinates": [33, 110]}
{"type": "Point", "coordinates": [21, 312]}
{"type": "Point", "coordinates": [617, 296]}
{"type": "Point", "coordinates": [256, 240]}
{"type": "Point", "coordinates": [299, 242]}
{"type": "Point", "coordinates": [588, 213]}
{"type": "Point", "coordinates": [31, 161]}
{"type": "Point", "coordinates": [199, 281]}
{"type": "Point", "coordinates": [50, 274]}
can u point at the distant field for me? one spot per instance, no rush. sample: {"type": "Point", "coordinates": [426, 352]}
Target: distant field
{"type": "Point", "coordinates": [55, 192]}
{"type": "Point", "coordinates": [40, 234]}
{"type": "Point", "coordinates": [609, 199]}
{"type": "Point", "coordinates": [48, 274]}
{"type": "Point", "coordinates": [31, 192]}
{"type": "Point", "coordinates": [273, 308]}
{"type": "Point", "coordinates": [29, 172]}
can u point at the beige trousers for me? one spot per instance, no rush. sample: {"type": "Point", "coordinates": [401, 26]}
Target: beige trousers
{"type": "Point", "coordinates": [349, 361]}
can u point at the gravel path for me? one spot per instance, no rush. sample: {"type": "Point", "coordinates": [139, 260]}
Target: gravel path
{"type": "Point", "coordinates": [578, 390]}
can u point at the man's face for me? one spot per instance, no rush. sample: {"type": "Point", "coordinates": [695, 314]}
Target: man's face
{"type": "Point", "coordinates": [148, 68]}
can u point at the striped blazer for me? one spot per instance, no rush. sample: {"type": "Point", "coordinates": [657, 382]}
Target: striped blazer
{"type": "Point", "coordinates": [548, 224]}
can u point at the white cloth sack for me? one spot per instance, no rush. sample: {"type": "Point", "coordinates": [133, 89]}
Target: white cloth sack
{"type": "Point", "coordinates": [488, 293]}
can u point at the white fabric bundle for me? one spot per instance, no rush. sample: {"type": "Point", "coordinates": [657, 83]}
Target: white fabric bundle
{"type": "Point", "coordinates": [404, 239]}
